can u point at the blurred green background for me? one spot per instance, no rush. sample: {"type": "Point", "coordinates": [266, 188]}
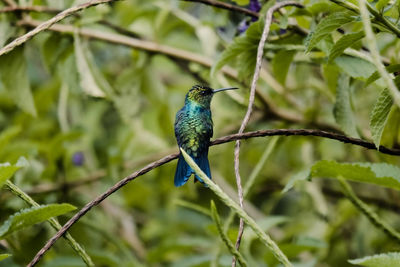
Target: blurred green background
{"type": "Point", "coordinates": [85, 113]}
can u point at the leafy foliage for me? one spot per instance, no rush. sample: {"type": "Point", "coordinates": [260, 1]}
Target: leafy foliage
{"type": "Point", "coordinates": [382, 260]}
{"type": "Point", "coordinates": [326, 26]}
{"type": "Point", "coordinates": [94, 98]}
{"type": "Point", "coordinates": [13, 74]}
{"type": "Point", "coordinates": [31, 216]}
{"type": "Point", "coordinates": [4, 256]}
{"type": "Point", "coordinates": [382, 174]}
{"type": "Point", "coordinates": [342, 109]}
{"type": "Point", "coordinates": [344, 42]}
{"type": "Point", "coordinates": [379, 115]}
{"type": "Point", "coordinates": [242, 51]}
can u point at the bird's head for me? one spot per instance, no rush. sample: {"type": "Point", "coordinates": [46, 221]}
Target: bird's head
{"type": "Point", "coordinates": [202, 95]}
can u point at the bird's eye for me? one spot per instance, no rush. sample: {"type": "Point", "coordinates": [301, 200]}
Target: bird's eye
{"type": "Point", "coordinates": [203, 92]}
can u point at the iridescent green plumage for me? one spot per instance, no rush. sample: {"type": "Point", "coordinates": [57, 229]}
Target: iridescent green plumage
{"type": "Point", "coordinates": [193, 130]}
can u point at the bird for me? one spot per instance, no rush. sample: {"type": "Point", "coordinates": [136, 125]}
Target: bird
{"type": "Point", "coordinates": [193, 130]}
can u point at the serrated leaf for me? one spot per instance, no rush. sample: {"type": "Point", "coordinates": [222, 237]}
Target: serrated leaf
{"type": "Point", "coordinates": [13, 75]}
{"type": "Point", "coordinates": [375, 76]}
{"type": "Point", "coordinates": [379, 115]}
{"type": "Point", "coordinates": [30, 216]}
{"type": "Point", "coordinates": [326, 26]}
{"type": "Point", "coordinates": [87, 78]}
{"type": "Point", "coordinates": [281, 64]}
{"type": "Point", "coordinates": [342, 110]}
{"type": "Point", "coordinates": [389, 259]}
{"type": "Point", "coordinates": [381, 174]}
{"type": "Point", "coordinates": [343, 43]}
{"type": "Point", "coordinates": [355, 67]}
{"type": "Point", "coordinates": [4, 256]}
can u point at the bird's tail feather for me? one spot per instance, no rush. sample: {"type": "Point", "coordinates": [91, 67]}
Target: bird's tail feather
{"type": "Point", "coordinates": [204, 165]}
{"type": "Point", "coordinates": [183, 170]}
{"type": "Point", "coordinates": [182, 173]}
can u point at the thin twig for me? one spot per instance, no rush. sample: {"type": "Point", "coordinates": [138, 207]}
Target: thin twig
{"type": "Point", "coordinates": [226, 6]}
{"type": "Point", "coordinates": [260, 52]}
{"type": "Point", "coordinates": [222, 140]}
{"type": "Point", "coordinates": [47, 24]}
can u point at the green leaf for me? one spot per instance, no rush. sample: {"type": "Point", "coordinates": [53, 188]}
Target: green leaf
{"type": "Point", "coordinates": [379, 115]}
{"type": "Point", "coordinates": [389, 259]}
{"type": "Point", "coordinates": [241, 2]}
{"type": "Point", "coordinates": [30, 216]}
{"type": "Point", "coordinates": [381, 4]}
{"type": "Point", "coordinates": [4, 256]}
{"type": "Point", "coordinates": [281, 64]}
{"type": "Point", "coordinates": [326, 26]}
{"type": "Point", "coordinates": [87, 79]}
{"type": "Point", "coordinates": [355, 67]}
{"type": "Point", "coordinates": [343, 43]}
{"type": "Point", "coordinates": [7, 170]}
{"type": "Point", "coordinates": [13, 75]}
{"type": "Point", "coordinates": [375, 76]}
{"type": "Point", "coordinates": [294, 179]}
{"type": "Point", "coordinates": [381, 174]}
{"type": "Point", "coordinates": [391, 132]}
{"type": "Point", "coordinates": [342, 110]}
{"type": "Point", "coordinates": [243, 49]}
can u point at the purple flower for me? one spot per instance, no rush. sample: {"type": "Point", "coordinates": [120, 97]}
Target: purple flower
{"type": "Point", "coordinates": [78, 158]}
{"type": "Point", "coordinates": [254, 5]}
{"type": "Point", "coordinates": [243, 25]}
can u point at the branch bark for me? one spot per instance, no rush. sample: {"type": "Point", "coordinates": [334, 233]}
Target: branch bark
{"type": "Point", "coordinates": [226, 6]}
{"type": "Point", "coordinates": [222, 140]}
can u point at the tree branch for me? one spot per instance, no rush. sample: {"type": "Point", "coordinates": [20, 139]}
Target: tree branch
{"type": "Point", "coordinates": [222, 140]}
{"type": "Point", "coordinates": [47, 24]}
{"type": "Point", "coordinates": [260, 52]}
{"type": "Point", "coordinates": [227, 6]}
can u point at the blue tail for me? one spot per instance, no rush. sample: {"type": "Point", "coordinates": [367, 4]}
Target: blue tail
{"type": "Point", "coordinates": [183, 170]}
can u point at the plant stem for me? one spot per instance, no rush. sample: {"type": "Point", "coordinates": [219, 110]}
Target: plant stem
{"type": "Point", "coordinates": [369, 35]}
{"type": "Point", "coordinates": [368, 212]}
{"type": "Point", "coordinates": [54, 223]}
{"type": "Point", "coordinates": [265, 238]}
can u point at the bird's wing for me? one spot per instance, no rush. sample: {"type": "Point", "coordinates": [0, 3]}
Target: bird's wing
{"type": "Point", "coordinates": [193, 135]}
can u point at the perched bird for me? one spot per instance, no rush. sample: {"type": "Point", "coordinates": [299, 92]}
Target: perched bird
{"type": "Point", "coordinates": [193, 130]}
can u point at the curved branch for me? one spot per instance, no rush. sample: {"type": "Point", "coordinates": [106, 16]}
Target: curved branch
{"type": "Point", "coordinates": [47, 24]}
{"type": "Point", "coordinates": [218, 141]}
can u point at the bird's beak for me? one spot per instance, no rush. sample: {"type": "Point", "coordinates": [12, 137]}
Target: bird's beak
{"type": "Point", "coordinates": [224, 89]}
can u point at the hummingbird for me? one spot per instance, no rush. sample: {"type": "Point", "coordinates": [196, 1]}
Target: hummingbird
{"type": "Point", "coordinates": [193, 130]}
